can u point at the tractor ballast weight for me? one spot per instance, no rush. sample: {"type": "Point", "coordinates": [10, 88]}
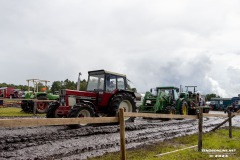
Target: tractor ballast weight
{"type": "Point", "coordinates": [164, 101]}
{"type": "Point", "coordinates": [106, 93]}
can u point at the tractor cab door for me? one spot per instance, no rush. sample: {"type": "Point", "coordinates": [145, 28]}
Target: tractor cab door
{"type": "Point", "coordinates": [110, 87]}
{"type": "Point", "coordinates": [175, 95]}
{"type": "Point", "coordinates": [113, 83]}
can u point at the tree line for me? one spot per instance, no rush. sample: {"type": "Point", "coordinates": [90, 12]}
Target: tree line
{"type": "Point", "coordinates": [67, 84]}
{"type": "Point", "coordinates": [56, 86]}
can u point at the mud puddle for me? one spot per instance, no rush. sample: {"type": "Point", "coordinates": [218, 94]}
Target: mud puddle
{"type": "Point", "coordinates": [60, 142]}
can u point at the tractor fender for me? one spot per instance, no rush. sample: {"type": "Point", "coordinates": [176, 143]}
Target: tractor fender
{"type": "Point", "coordinates": [42, 95]}
{"type": "Point", "coordinates": [126, 91]}
{"type": "Point", "coordinates": [123, 91]}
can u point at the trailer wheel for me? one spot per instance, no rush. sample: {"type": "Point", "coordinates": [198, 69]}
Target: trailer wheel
{"type": "Point", "coordinates": [51, 111]}
{"type": "Point", "coordinates": [80, 110]}
{"type": "Point", "coordinates": [122, 100]}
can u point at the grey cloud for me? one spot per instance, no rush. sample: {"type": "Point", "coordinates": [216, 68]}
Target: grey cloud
{"type": "Point", "coordinates": [154, 43]}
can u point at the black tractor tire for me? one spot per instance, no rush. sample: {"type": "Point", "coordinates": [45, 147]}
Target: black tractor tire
{"type": "Point", "coordinates": [80, 110]}
{"type": "Point", "coordinates": [122, 100]}
{"type": "Point", "coordinates": [183, 108]}
{"type": "Point", "coordinates": [27, 106]}
{"type": "Point", "coordinates": [206, 110]}
{"type": "Point", "coordinates": [169, 110]}
{"type": "Point", "coordinates": [192, 112]}
{"type": "Point", "coordinates": [42, 107]}
{"type": "Point", "coordinates": [51, 112]}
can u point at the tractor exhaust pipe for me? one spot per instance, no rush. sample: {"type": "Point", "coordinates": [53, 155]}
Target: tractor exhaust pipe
{"type": "Point", "coordinates": [79, 80]}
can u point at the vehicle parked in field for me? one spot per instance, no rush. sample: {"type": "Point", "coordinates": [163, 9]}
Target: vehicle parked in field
{"type": "Point", "coordinates": [28, 105]}
{"type": "Point", "coordinates": [194, 100]}
{"type": "Point", "coordinates": [10, 92]}
{"type": "Point", "coordinates": [106, 93]}
{"type": "Point", "coordinates": [234, 106]}
{"type": "Point", "coordinates": [163, 100]}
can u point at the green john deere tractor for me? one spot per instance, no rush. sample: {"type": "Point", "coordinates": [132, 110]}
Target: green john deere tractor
{"type": "Point", "coordinates": [193, 100]}
{"type": "Point", "coordinates": [165, 100]}
{"type": "Point", "coordinates": [28, 105]}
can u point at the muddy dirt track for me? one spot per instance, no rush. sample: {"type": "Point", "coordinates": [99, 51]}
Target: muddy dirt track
{"type": "Point", "coordinates": [60, 142]}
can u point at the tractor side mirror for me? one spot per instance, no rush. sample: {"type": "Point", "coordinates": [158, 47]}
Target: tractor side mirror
{"type": "Point", "coordinates": [151, 90]}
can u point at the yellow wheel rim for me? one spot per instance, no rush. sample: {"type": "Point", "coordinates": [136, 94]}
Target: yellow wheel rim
{"type": "Point", "coordinates": [184, 109]}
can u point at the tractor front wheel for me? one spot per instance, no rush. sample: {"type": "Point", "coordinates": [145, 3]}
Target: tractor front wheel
{"type": "Point", "coordinates": [169, 110]}
{"type": "Point", "coordinates": [51, 112]}
{"type": "Point", "coordinates": [81, 110]}
{"type": "Point", "coordinates": [27, 106]}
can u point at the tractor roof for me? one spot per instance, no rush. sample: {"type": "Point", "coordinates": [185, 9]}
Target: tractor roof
{"type": "Point", "coordinates": [104, 72]}
{"type": "Point", "coordinates": [167, 87]}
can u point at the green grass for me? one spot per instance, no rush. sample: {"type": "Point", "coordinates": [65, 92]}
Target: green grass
{"type": "Point", "coordinates": [15, 112]}
{"type": "Point", "coordinates": [213, 140]}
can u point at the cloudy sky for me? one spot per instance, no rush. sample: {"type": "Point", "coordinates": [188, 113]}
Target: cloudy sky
{"type": "Point", "coordinates": [155, 43]}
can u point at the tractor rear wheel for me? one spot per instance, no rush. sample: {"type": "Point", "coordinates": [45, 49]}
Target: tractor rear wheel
{"type": "Point", "coordinates": [81, 110]}
{"type": "Point", "coordinates": [51, 112]}
{"type": "Point", "coordinates": [183, 108]}
{"type": "Point", "coordinates": [42, 106]}
{"type": "Point", "coordinates": [122, 100]}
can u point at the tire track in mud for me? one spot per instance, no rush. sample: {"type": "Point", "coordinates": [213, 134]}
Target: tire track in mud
{"type": "Point", "coordinates": [59, 142]}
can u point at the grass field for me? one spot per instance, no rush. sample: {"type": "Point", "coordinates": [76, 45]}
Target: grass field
{"type": "Point", "coordinates": [218, 140]}
{"type": "Point", "coordinates": [15, 112]}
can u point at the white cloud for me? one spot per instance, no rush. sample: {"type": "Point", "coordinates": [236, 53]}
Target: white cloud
{"type": "Point", "coordinates": [153, 42]}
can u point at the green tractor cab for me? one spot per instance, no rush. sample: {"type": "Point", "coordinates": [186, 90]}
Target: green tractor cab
{"type": "Point", "coordinates": [162, 101]}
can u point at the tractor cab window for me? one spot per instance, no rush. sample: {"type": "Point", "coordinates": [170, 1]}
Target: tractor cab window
{"type": "Point", "coordinates": [110, 83]}
{"type": "Point", "coordinates": [175, 94]}
{"type": "Point", "coordinates": [95, 82]}
{"type": "Point", "coordinates": [166, 91]}
{"type": "Point", "coordinates": [120, 83]}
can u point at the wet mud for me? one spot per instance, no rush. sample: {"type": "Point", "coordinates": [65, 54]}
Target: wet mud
{"type": "Point", "coordinates": [60, 142]}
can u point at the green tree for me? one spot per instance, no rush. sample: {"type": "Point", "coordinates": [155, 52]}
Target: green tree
{"type": "Point", "coordinates": [56, 86]}
{"type": "Point", "coordinates": [83, 85]}
{"type": "Point", "coordinates": [67, 84]}
{"type": "Point", "coordinates": [70, 84]}
{"type": "Point", "coordinates": [212, 95]}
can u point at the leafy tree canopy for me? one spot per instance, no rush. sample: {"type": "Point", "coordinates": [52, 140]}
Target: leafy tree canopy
{"type": "Point", "coordinates": [212, 95]}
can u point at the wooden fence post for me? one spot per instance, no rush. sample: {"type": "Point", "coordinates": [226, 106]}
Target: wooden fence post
{"type": "Point", "coordinates": [35, 108]}
{"type": "Point", "coordinates": [230, 123]}
{"type": "Point", "coordinates": [122, 134]}
{"type": "Point", "coordinates": [200, 126]}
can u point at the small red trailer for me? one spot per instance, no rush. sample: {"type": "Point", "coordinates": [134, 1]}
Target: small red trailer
{"type": "Point", "coordinates": [9, 92]}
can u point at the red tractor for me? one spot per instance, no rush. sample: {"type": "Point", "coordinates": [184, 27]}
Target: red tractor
{"type": "Point", "coordinates": [10, 92]}
{"type": "Point", "coordinates": [106, 93]}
